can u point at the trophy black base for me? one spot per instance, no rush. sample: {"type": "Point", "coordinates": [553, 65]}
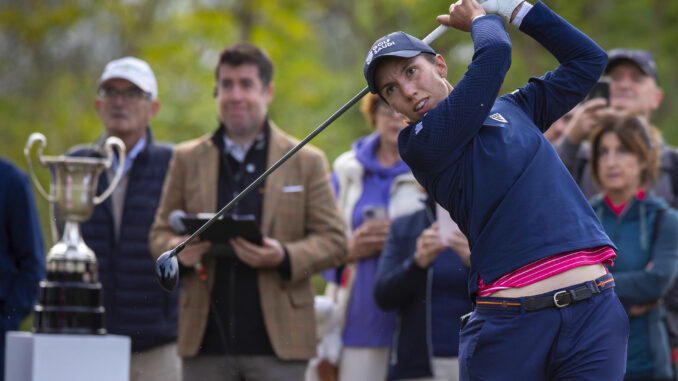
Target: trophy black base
{"type": "Point", "coordinates": [69, 308]}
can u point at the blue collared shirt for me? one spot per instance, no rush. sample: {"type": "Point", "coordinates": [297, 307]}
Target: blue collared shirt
{"type": "Point", "coordinates": [131, 155]}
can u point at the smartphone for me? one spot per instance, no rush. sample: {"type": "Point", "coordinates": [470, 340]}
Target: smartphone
{"type": "Point", "coordinates": [375, 213]}
{"type": "Point", "coordinates": [600, 90]}
{"type": "Point", "coordinates": [447, 228]}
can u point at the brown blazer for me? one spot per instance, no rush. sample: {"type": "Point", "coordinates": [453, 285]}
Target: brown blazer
{"type": "Point", "coordinates": [304, 219]}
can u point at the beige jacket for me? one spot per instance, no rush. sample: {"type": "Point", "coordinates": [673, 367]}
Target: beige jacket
{"type": "Point", "coordinates": [298, 210]}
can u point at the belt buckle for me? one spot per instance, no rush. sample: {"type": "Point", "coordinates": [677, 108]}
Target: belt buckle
{"type": "Point", "coordinates": [555, 299]}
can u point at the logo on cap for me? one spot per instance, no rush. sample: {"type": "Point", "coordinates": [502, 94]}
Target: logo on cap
{"type": "Point", "coordinates": [396, 44]}
{"type": "Point", "coordinates": [369, 58]}
{"type": "Point", "coordinates": [380, 45]}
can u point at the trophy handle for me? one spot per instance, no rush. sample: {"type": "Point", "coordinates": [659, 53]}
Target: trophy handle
{"type": "Point", "coordinates": [111, 142]}
{"type": "Point", "coordinates": [40, 138]}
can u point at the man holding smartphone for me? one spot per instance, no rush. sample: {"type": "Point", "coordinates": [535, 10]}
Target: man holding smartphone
{"type": "Point", "coordinates": [634, 87]}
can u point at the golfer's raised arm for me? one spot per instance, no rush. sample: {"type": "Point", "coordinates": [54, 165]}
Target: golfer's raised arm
{"type": "Point", "coordinates": [582, 61]}
{"type": "Point", "coordinates": [448, 127]}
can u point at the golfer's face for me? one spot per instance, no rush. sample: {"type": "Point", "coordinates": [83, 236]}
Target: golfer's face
{"type": "Point", "coordinates": [242, 100]}
{"type": "Point", "coordinates": [412, 86]}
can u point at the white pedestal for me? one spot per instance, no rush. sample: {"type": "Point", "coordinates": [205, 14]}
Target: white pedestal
{"type": "Point", "coordinates": [43, 357]}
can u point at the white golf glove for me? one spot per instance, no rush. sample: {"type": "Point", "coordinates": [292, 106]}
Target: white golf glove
{"type": "Point", "coordinates": [503, 8]}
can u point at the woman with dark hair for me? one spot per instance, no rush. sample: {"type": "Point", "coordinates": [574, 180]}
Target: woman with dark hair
{"type": "Point", "coordinates": [624, 162]}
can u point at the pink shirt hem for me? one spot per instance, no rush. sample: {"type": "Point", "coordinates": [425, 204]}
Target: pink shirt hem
{"type": "Point", "coordinates": [546, 268]}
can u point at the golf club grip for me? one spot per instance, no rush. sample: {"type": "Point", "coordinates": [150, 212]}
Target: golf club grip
{"type": "Point", "coordinates": [428, 39]}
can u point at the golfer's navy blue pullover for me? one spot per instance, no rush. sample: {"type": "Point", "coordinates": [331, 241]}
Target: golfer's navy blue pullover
{"type": "Point", "coordinates": [486, 161]}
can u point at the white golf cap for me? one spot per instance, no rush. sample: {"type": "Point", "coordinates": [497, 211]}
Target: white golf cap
{"type": "Point", "coordinates": [134, 70]}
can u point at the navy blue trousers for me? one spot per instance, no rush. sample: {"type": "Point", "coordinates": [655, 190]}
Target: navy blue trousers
{"type": "Point", "coordinates": [583, 341]}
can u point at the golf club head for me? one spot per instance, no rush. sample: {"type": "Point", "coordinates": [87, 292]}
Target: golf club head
{"type": "Point", "coordinates": [167, 270]}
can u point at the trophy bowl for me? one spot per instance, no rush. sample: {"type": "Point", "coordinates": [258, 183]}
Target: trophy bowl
{"type": "Point", "coordinates": [70, 300]}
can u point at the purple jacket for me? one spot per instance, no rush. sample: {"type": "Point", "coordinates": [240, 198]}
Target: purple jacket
{"type": "Point", "coordinates": [367, 325]}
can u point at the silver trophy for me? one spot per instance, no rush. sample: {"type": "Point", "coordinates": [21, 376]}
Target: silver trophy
{"type": "Point", "coordinates": [70, 299]}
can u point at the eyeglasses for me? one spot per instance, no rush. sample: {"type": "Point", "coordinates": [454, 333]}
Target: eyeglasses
{"type": "Point", "coordinates": [130, 94]}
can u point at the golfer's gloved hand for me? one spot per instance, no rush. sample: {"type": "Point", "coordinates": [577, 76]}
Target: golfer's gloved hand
{"type": "Point", "coordinates": [503, 8]}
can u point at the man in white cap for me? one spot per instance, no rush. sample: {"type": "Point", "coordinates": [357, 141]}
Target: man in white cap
{"type": "Point", "coordinates": [136, 306]}
{"type": "Point", "coordinates": [128, 99]}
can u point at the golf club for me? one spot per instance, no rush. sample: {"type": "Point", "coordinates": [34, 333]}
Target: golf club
{"type": "Point", "coordinates": [167, 266]}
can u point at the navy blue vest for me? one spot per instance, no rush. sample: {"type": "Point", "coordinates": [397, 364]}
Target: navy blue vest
{"type": "Point", "coordinates": [135, 304]}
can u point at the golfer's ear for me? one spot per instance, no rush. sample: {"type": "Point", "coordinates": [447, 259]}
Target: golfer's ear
{"type": "Point", "coordinates": [441, 66]}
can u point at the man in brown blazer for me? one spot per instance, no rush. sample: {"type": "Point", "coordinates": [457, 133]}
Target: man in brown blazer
{"type": "Point", "coordinates": [246, 311]}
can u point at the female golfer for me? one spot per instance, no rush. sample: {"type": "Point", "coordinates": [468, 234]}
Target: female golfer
{"type": "Point", "coordinates": [545, 308]}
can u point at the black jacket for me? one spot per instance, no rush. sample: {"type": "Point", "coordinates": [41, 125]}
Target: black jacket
{"type": "Point", "coordinates": [403, 286]}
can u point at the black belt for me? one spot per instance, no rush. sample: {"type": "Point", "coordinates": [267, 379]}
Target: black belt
{"type": "Point", "coordinates": [561, 298]}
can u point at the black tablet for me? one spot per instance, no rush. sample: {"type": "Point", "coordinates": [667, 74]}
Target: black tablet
{"type": "Point", "coordinates": [224, 228]}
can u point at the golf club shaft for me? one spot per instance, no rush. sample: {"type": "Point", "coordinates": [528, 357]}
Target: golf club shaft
{"type": "Point", "coordinates": [428, 39]}
{"type": "Point", "coordinates": [437, 32]}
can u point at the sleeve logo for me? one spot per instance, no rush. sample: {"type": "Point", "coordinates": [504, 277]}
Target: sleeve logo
{"type": "Point", "coordinates": [418, 127]}
{"type": "Point", "coordinates": [498, 117]}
